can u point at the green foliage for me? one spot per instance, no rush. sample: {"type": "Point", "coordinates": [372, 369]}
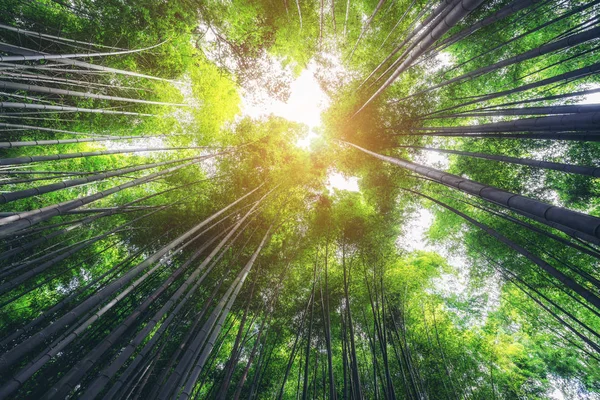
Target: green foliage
{"type": "Point", "coordinates": [460, 316]}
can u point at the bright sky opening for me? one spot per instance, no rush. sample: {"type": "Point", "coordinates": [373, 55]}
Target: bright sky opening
{"type": "Point", "coordinates": [593, 98]}
{"type": "Point", "coordinates": [306, 103]}
{"type": "Point", "coordinates": [338, 181]}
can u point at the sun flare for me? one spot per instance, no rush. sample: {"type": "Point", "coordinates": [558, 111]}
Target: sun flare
{"type": "Point", "coordinates": [306, 103]}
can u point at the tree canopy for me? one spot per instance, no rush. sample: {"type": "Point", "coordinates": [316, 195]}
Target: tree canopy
{"type": "Point", "coordinates": [176, 224]}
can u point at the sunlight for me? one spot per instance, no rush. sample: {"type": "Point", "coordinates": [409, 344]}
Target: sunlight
{"type": "Point", "coordinates": [305, 104]}
{"type": "Point", "coordinates": [307, 100]}
{"type": "Point", "coordinates": [337, 181]}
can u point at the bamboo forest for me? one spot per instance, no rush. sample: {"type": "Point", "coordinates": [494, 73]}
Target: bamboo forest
{"type": "Point", "coordinates": [300, 199]}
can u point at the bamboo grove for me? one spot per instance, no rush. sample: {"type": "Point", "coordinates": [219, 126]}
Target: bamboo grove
{"type": "Point", "coordinates": [159, 243]}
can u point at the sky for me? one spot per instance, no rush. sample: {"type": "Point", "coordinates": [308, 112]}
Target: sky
{"type": "Point", "coordinates": [306, 102]}
{"type": "Point", "coordinates": [339, 181]}
{"type": "Point", "coordinates": [593, 98]}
